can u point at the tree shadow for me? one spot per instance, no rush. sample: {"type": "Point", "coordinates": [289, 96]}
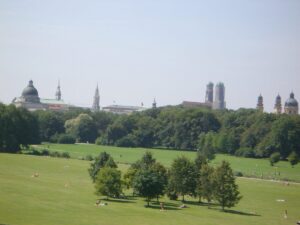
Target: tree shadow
{"type": "Point", "coordinates": [117, 200]}
{"type": "Point", "coordinates": [231, 211]}
{"type": "Point", "coordinates": [167, 206]}
{"type": "Point", "coordinates": [200, 203]}
{"type": "Point", "coordinates": [240, 212]}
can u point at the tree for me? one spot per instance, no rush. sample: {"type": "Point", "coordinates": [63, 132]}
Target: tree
{"type": "Point", "coordinates": [17, 127]}
{"type": "Point", "coordinates": [102, 160]}
{"type": "Point", "coordinates": [293, 158]}
{"type": "Point", "coordinates": [147, 184]}
{"type": "Point", "coordinates": [108, 182]}
{"type": "Point", "coordinates": [274, 158]}
{"type": "Point", "coordinates": [205, 183]}
{"type": "Point", "coordinates": [147, 162]}
{"type": "Point", "coordinates": [206, 145]}
{"type": "Point", "coordinates": [226, 190]}
{"type": "Point", "coordinates": [82, 127]}
{"type": "Point", "coordinates": [182, 178]}
{"type": "Point", "coordinates": [50, 123]}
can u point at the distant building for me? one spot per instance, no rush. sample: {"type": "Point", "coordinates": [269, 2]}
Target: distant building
{"type": "Point", "coordinates": [30, 100]}
{"type": "Point", "coordinates": [154, 104]}
{"type": "Point", "coordinates": [96, 103]}
{"type": "Point", "coordinates": [209, 97]}
{"type": "Point", "coordinates": [210, 102]}
{"type": "Point", "coordinates": [291, 105]}
{"type": "Point", "coordinates": [121, 109]}
{"type": "Point", "coordinates": [278, 106]}
{"type": "Point", "coordinates": [260, 103]}
{"type": "Point", "coordinates": [219, 102]}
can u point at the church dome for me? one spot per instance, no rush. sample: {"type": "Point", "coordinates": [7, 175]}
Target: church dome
{"type": "Point", "coordinates": [291, 102]}
{"type": "Point", "coordinates": [30, 90]}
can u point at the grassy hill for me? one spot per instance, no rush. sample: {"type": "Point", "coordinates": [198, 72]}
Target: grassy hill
{"type": "Point", "coordinates": [259, 168]}
{"type": "Point", "coordinates": [63, 194]}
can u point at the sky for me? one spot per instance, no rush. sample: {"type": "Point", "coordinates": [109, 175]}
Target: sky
{"type": "Point", "coordinates": [138, 50]}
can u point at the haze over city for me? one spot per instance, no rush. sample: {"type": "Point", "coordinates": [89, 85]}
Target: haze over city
{"type": "Point", "coordinates": [141, 50]}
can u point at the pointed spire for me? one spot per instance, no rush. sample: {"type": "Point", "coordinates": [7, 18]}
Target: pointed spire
{"type": "Point", "coordinates": [154, 104]}
{"type": "Point", "coordinates": [96, 103]}
{"type": "Point", "coordinates": [58, 92]}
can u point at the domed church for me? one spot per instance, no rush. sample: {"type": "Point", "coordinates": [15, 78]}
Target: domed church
{"type": "Point", "coordinates": [291, 105]}
{"type": "Point", "coordinates": [30, 100]}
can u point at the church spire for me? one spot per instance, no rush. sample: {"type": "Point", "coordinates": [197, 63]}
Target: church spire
{"type": "Point", "coordinates": [58, 92]}
{"type": "Point", "coordinates": [154, 104]}
{"type": "Point", "coordinates": [260, 103]}
{"type": "Point", "coordinates": [96, 103]}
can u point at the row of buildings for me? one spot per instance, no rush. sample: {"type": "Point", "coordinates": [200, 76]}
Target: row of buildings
{"type": "Point", "coordinates": [290, 105]}
{"type": "Point", "coordinates": [214, 99]}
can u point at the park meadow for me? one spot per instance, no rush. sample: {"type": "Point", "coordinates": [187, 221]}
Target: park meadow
{"type": "Point", "coordinates": [63, 192]}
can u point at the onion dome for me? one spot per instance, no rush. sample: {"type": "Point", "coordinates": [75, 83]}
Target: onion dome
{"type": "Point", "coordinates": [291, 102]}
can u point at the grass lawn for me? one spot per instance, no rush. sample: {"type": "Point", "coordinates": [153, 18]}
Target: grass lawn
{"type": "Point", "coordinates": [63, 194]}
{"type": "Point", "coordinates": [249, 167]}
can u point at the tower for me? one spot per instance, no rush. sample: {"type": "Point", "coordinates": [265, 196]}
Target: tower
{"type": "Point", "coordinates": [58, 93]}
{"type": "Point", "coordinates": [219, 102]}
{"type": "Point", "coordinates": [209, 97]}
{"type": "Point", "coordinates": [154, 104]}
{"type": "Point", "coordinates": [278, 106]}
{"type": "Point", "coordinates": [260, 103]}
{"type": "Point", "coordinates": [96, 103]}
{"type": "Point", "coordinates": [291, 105]}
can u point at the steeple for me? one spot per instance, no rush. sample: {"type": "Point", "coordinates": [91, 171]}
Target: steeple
{"type": "Point", "coordinates": [260, 103]}
{"type": "Point", "coordinates": [278, 106]}
{"type": "Point", "coordinates": [154, 104]}
{"type": "Point", "coordinates": [96, 103]}
{"type": "Point", "coordinates": [58, 92]}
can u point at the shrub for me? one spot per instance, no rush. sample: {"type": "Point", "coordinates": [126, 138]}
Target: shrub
{"type": "Point", "coordinates": [65, 155]}
{"type": "Point", "coordinates": [66, 139]}
{"type": "Point", "coordinates": [245, 152]}
{"type": "Point", "coordinates": [238, 174]}
{"type": "Point", "coordinates": [89, 158]}
{"type": "Point", "coordinates": [127, 141]}
{"type": "Point", "coordinates": [274, 158]}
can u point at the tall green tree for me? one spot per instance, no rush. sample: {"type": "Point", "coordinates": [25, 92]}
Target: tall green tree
{"type": "Point", "coordinates": [102, 160]}
{"type": "Point", "coordinates": [226, 190]}
{"type": "Point", "coordinates": [147, 184]}
{"type": "Point", "coordinates": [108, 182]}
{"type": "Point", "coordinates": [182, 177]}
{"type": "Point", "coordinates": [206, 183]}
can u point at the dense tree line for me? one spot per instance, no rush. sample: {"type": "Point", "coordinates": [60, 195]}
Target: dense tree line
{"type": "Point", "coordinates": [150, 179]}
{"type": "Point", "coordinates": [244, 132]}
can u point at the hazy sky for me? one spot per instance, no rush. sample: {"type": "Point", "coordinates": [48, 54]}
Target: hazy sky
{"type": "Point", "coordinates": [140, 49]}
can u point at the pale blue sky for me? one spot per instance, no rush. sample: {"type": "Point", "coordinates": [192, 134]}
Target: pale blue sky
{"type": "Point", "coordinates": [141, 49]}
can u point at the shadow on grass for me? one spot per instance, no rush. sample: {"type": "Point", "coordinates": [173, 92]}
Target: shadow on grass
{"type": "Point", "coordinates": [240, 212]}
{"type": "Point", "coordinates": [118, 200]}
{"type": "Point", "coordinates": [167, 206]}
{"type": "Point", "coordinates": [235, 212]}
{"type": "Point", "coordinates": [200, 203]}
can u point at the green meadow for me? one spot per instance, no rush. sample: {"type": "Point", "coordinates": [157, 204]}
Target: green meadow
{"type": "Point", "coordinates": [259, 168]}
{"type": "Point", "coordinates": [63, 194]}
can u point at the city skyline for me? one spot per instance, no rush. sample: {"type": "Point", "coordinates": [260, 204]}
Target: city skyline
{"type": "Point", "coordinates": [137, 51]}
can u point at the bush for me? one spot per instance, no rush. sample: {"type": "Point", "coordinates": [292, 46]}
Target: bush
{"type": "Point", "coordinates": [89, 158]}
{"type": "Point", "coordinates": [245, 152]}
{"type": "Point", "coordinates": [238, 174]}
{"type": "Point", "coordinates": [274, 158]}
{"type": "Point", "coordinates": [65, 155]}
{"type": "Point", "coordinates": [127, 141]}
{"type": "Point", "coordinates": [66, 139]}
{"type": "Point", "coordinates": [54, 154]}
